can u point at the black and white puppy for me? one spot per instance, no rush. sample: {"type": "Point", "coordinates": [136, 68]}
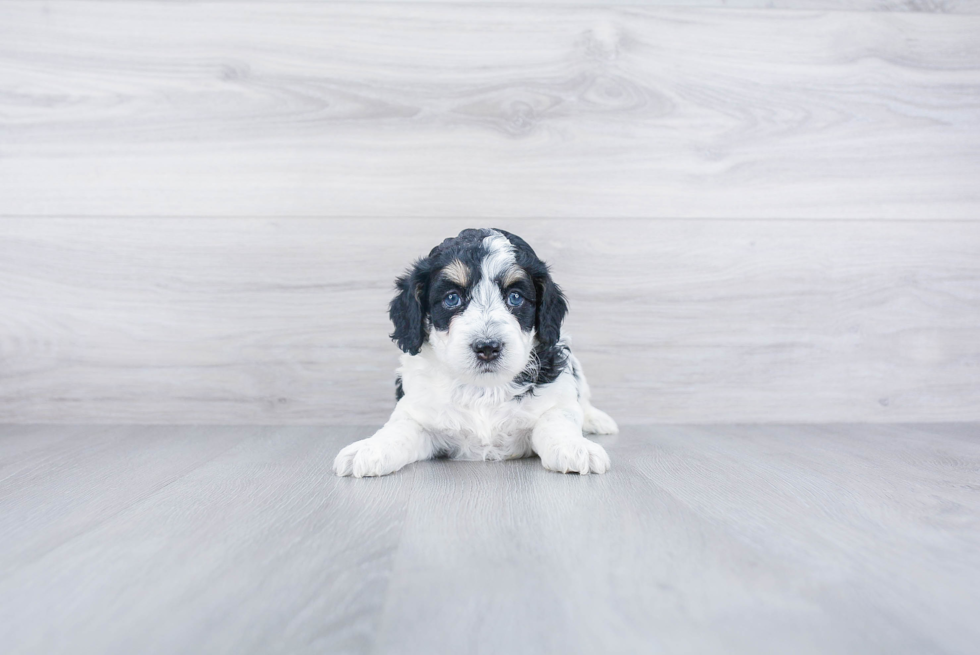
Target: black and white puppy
{"type": "Point", "coordinates": [486, 374]}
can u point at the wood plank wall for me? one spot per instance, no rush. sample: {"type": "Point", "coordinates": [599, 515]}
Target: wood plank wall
{"type": "Point", "coordinates": [760, 214]}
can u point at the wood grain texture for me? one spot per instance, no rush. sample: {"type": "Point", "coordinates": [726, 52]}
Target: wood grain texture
{"type": "Point", "coordinates": [924, 6]}
{"type": "Point", "coordinates": [707, 539]}
{"type": "Point", "coordinates": [260, 549]}
{"type": "Point", "coordinates": [422, 110]}
{"type": "Point", "coordinates": [72, 464]}
{"type": "Point", "coordinates": [285, 321]}
{"type": "Point", "coordinates": [722, 539]}
{"type": "Point", "coordinates": [928, 6]}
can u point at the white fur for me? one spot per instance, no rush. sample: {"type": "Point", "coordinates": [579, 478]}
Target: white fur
{"type": "Point", "coordinates": [453, 407]}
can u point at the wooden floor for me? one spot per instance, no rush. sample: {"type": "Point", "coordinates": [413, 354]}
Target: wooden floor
{"type": "Point", "coordinates": [748, 539]}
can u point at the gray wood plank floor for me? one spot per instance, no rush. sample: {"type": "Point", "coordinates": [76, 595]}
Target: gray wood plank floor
{"type": "Point", "coordinates": [726, 539]}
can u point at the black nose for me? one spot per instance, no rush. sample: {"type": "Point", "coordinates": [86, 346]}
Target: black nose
{"type": "Point", "coordinates": [487, 351]}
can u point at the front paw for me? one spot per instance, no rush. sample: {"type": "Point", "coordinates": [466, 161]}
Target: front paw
{"type": "Point", "coordinates": [366, 458]}
{"type": "Point", "coordinates": [575, 455]}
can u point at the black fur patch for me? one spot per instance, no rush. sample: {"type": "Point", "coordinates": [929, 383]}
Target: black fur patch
{"type": "Point", "coordinates": [422, 289]}
{"type": "Point", "coordinates": [549, 302]}
{"type": "Point", "coordinates": [551, 363]}
{"type": "Point", "coordinates": [399, 392]}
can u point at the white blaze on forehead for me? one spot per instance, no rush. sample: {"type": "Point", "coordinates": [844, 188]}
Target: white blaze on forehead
{"type": "Point", "coordinates": [500, 256]}
{"type": "Point", "coordinates": [501, 262]}
{"type": "Point", "coordinates": [498, 260]}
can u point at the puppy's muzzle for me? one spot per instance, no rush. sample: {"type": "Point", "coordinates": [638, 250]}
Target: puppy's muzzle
{"type": "Point", "coordinates": [487, 351]}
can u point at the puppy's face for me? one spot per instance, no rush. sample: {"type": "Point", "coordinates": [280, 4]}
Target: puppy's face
{"type": "Point", "coordinates": [481, 312]}
{"type": "Point", "coordinates": [483, 302]}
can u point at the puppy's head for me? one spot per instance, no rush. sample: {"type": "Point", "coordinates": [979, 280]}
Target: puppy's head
{"type": "Point", "coordinates": [483, 301]}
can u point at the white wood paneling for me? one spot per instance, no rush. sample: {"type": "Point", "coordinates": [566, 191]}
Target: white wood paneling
{"type": "Point", "coordinates": [203, 204]}
{"type": "Point", "coordinates": [925, 6]}
{"type": "Point", "coordinates": [929, 6]}
{"type": "Point", "coordinates": [285, 321]}
{"type": "Point", "coordinates": [441, 110]}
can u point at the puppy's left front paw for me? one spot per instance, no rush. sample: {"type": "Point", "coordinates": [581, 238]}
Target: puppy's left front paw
{"type": "Point", "coordinates": [576, 456]}
{"type": "Point", "coordinates": [365, 458]}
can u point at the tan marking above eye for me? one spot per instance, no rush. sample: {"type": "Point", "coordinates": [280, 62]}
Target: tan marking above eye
{"type": "Point", "coordinates": [513, 274]}
{"type": "Point", "coordinates": [457, 272]}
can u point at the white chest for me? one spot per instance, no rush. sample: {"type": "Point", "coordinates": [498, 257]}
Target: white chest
{"type": "Point", "coordinates": [472, 422]}
{"type": "Point", "coordinates": [481, 427]}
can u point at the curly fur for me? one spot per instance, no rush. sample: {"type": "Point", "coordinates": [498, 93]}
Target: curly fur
{"type": "Point", "coordinates": [526, 395]}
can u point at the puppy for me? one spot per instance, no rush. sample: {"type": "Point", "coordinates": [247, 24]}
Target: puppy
{"type": "Point", "coordinates": [486, 374]}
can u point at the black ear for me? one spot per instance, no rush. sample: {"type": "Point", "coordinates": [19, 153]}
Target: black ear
{"type": "Point", "coordinates": [408, 309]}
{"type": "Point", "coordinates": [551, 309]}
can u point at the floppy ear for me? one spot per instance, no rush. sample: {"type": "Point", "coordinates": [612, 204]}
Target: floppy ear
{"type": "Point", "coordinates": [408, 309]}
{"type": "Point", "coordinates": [551, 309]}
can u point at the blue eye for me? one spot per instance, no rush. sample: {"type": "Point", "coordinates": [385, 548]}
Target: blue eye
{"type": "Point", "coordinates": [452, 300]}
{"type": "Point", "coordinates": [515, 299]}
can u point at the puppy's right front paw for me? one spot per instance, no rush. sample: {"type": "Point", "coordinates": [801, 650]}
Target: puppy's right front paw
{"type": "Point", "coordinates": [343, 464]}
{"type": "Point", "coordinates": [365, 458]}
